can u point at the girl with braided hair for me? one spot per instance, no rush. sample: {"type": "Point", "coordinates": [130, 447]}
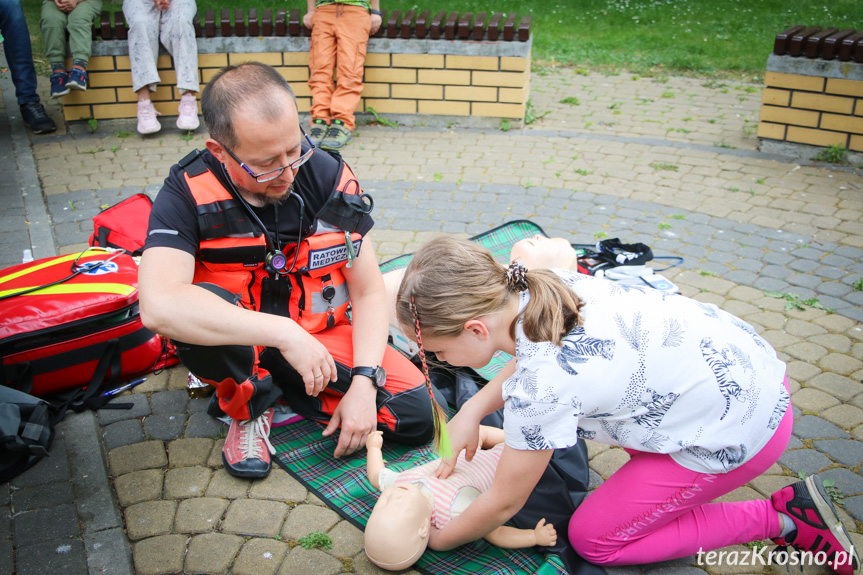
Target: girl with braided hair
{"type": "Point", "coordinates": [695, 396]}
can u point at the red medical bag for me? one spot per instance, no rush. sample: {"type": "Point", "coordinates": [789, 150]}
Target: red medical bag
{"type": "Point", "coordinates": [72, 321]}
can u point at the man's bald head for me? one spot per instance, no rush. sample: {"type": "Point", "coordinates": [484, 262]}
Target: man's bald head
{"type": "Point", "coordinates": [253, 87]}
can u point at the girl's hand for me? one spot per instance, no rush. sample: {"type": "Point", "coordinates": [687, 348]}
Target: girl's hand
{"type": "Point", "coordinates": [545, 534]}
{"type": "Point", "coordinates": [463, 432]}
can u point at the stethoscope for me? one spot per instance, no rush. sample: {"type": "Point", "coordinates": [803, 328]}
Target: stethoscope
{"type": "Point", "coordinates": [276, 262]}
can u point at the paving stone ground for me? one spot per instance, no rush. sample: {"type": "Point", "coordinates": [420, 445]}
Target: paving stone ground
{"type": "Point", "coordinates": [671, 162]}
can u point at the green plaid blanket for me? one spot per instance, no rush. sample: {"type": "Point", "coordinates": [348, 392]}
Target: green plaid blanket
{"type": "Point", "coordinates": [341, 483]}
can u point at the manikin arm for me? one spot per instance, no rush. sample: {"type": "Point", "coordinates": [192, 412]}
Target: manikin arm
{"type": "Point", "coordinates": [515, 538]}
{"type": "Point", "coordinates": [374, 457]}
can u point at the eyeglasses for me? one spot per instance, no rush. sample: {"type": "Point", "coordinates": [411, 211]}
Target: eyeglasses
{"type": "Point", "coordinates": [273, 174]}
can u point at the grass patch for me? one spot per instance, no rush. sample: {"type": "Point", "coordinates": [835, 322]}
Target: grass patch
{"type": "Point", "coordinates": [660, 167]}
{"type": "Point", "coordinates": [834, 154]}
{"type": "Point", "coordinates": [858, 285]}
{"type": "Point", "coordinates": [316, 539]}
{"type": "Point", "coordinates": [381, 120]}
{"type": "Point", "coordinates": [571, 100]}
{"type": "Point", "coordinates": [717, 39]}
{"type": "Point", "coordinates": [793, 301]}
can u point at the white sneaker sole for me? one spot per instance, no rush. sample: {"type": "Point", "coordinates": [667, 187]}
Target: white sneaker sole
{"type": "Point", "coordinates": [831, 518]}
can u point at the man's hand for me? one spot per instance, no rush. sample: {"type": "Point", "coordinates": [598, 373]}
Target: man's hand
{"type": "Point", "coordinates": [307, 20]}
{"type": "Point", "coordinates": [356, 414]}
{"type": "Point", "coordinates": [545, 534]}
{"type": "Point", "coordinates": [162, 4]}
{"type": "Point", "coordinates": [311, 360]}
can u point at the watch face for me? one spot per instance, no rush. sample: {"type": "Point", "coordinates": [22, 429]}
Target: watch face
{"type": "Point", "coordinates": [380, 377]}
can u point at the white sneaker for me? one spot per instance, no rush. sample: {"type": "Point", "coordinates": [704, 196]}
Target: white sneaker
{"type": "Point", "coordinates": [188, 118]}
{"type": "Point", "coordinates": [147, 122]}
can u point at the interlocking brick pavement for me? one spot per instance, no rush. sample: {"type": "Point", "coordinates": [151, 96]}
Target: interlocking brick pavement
{"type": "Point", "coordinates": [671, 162]}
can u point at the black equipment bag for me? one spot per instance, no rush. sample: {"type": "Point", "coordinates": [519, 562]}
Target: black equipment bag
{"type": "Point", "coordinates": [26, 431]}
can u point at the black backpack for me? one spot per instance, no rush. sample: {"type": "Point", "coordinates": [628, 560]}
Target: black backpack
{"type": "Point", "coordinates": [26, 431]}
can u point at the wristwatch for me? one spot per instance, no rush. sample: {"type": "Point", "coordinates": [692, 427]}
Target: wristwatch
{"type": "Point", "coordinates": [376, 374]}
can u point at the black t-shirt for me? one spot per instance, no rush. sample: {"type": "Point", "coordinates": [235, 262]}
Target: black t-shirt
{"type": "Point", "coordinates": [174, 220]}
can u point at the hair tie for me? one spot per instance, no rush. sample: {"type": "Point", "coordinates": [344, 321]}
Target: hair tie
{"type": "Point", "coordinates": [516, 277]}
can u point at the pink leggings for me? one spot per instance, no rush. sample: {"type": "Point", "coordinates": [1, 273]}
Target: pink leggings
{"type": "Point", "coordinates": [653, 509]}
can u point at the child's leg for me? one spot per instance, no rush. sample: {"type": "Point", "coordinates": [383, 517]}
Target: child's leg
{"type": "Point", "coordinates": [653, 509]}
{"type": "Point", "coordinates": [53, 25]}
{"type": "Point", "coordinates": [143, 19]}
{"type": "Point", "coordinates": [177, 33]}
{"type": "Point", "coordinates": [322, 61]}
{"type": "Point", "coordinates": [353, 37]}
{"type": "Point", "coordinates": [80, 25]}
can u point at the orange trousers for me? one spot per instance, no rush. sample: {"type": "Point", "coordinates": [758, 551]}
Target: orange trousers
{"type": "Point", "coordinates": [340, 35]}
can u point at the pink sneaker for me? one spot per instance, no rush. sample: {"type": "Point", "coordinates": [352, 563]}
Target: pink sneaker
{"type": "Point", "coordinates": [147, 122]}
{"type": "Point", "coordinates": [247, 448]}
{"type": "Point", "coordinates": [819, 529]}
{"type": "Point", "coordinates": [188, 118]}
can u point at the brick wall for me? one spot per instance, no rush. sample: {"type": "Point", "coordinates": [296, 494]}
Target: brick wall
{"type": "Point", "coordinates": [809, 104]}
{"type": "Point", "coordinates": [435, 78]}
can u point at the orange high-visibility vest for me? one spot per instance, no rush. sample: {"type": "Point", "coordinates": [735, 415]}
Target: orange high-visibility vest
{"type": "Point", "coordinates": [233, 251]}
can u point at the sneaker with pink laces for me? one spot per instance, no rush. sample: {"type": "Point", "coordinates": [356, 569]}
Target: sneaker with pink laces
{"type": "Point", "coordinates": [188, 118]}
{"type": "Point", "coordinates": [247, 447]}
{"type": "Point", "coordinates": [147, 122]}
{"type": "Point", "coordinates": [819, 529]}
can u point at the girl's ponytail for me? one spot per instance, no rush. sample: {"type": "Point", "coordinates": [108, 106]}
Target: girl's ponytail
{"type": "Point", "coordinates": [553, 309]}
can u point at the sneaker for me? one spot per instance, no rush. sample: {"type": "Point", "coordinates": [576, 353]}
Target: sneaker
{"type": "Point", "coordinates": [59, 84]}
{"type": "Point", "coordinates": [147, 122]}
{"type": "Point", "coordinates": [78, 78]}
{"type": "Point", "coordinates": [337, 136]}
{"type": "Point", "coordinates": [188, 118]}
{"type": "Point", "coordinates": [35, 117]}
{"type": "Point", "coordinates": [819, 528]}
{"type": "Point", "coordinates": [247, 447]}
{"type": "Point", "coordinates": [318, 131]}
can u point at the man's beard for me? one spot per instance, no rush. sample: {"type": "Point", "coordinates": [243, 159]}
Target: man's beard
{"type": "Point", "coordinates": [262, 200]}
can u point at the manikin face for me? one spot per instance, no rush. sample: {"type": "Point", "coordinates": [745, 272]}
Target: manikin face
{"type": "Point", "coordinates": [398, 529]}
{"type": "Point", "coordinates": [542, 252]}
{"type": "Point", "coordinates": [264, 144]}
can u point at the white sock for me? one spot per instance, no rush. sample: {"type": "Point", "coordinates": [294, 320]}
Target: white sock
{"type": "Point", "coordinates": [788, 524]}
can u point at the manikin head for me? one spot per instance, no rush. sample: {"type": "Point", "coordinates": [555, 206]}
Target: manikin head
{"type": "Point", "coordinates": [397, 532]}
{"type": "Point", "coordinates": [542, 252]}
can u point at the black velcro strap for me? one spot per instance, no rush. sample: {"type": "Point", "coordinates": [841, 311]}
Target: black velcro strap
{"type": "Point", "coordinates": [349, 212]}
{"type": "Point", "coordinates": [251, 255]}
{"type": "Point", "coordinates": [224, 219]}
{"type": "Point", "coordinates": [193, 164]}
